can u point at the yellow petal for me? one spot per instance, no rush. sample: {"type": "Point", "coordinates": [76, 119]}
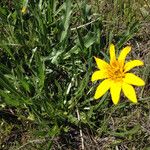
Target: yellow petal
{"type": "Point", "coordinates": [131, 64]}
{"type": "Point", "coordinates": [112, 52]}
{"type": "Point", "coordinates": [124, 53]}
{"type": "Point", "coordinates": [129, 92]}
{"type": "Point", "coordinates": [101, 63]}
{"type": "Point", "coordinates": [130, 78]}
{"type": "Point", "coordinates": [97, 75]}
{"type": "Point", "coordinates": [115, 90]}
{"type": "Point", "coordinates": [24, 9]}
{"type": "Point", "coordinates": [102, 88]}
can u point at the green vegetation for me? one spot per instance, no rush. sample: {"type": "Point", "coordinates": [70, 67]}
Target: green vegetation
{"type": "Point", "coordinates": [46, 63]}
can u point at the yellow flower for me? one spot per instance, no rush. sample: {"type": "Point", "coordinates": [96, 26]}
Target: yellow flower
{"type": "Point", "coordinates": [24, 9]}
{"type": "Point", "coordinates": [116, 76]}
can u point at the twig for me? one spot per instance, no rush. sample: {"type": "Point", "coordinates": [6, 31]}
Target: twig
{"type": "Point", "coordinates": [80, 130]}
{"type": "Point", "coordinates": [84, 25]}
{"type": "Point", "coordinates": [88, 23]}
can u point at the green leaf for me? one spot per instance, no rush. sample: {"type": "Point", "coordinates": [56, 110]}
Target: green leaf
{"type": "Point", "coordinates": [133, 131]}
{"type": "Point", "coordinates": [41, 71]}
{"type": "Point", "coordinates": [89, 39]}
{"type": "Point", "coordinates": [81, 40]}
{"type": "Point", "coordinates": [66, 19]}
{"type": "Point", "coordinates": [25, 85]}
{"type": "Point", "coordinates": [7, 85]}
{"type": "Point", "coordinates": [4, 69]}
{"type": "Point", "coordinates": [60, 91]}
{"type": "Point", "coordinates": [10, 99]}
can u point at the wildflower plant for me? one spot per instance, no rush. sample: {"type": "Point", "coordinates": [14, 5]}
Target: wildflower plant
{"type": "Point", "coordinates": [116, 76]}
{"type": "Point", "coordinates": [46, 50]}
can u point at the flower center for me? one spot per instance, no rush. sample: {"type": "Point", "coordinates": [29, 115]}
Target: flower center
{"type": "Point", "coordinates": [115, 71]}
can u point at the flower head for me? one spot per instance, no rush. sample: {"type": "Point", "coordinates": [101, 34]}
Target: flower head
{"type": "Point", "coordinates": [24, 9]}
{"type": "Point", "coordinates": [116, 76]}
